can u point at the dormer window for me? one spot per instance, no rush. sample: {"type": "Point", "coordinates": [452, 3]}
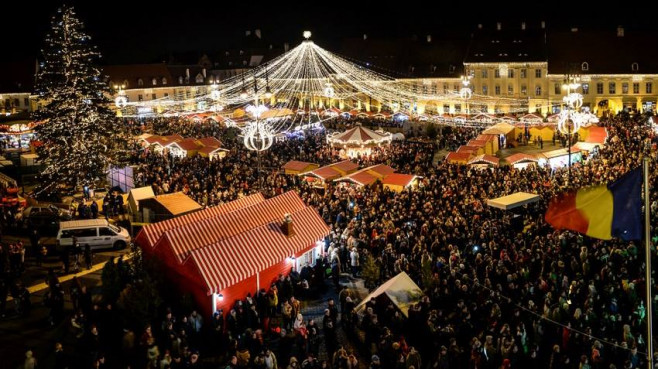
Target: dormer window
{"type": "Point", "coordinates": [635, 67]}
{"type": "Point", "coordinates": [227, 53]}
{"type": "Point", "coordinates": [199, 78]}
{"type": "Point", "coordinates": [164, 81]}
{"type": "Point", "coordinates": [241, 52]}
{"type": "Point", "coordinates": [140, 82]}
{"type": "Point", "coordinates": [584, 66]}
{"type": "Point", "coordinates": [155, 81]}
{"type": "Point", "coordinates": [180, 80]}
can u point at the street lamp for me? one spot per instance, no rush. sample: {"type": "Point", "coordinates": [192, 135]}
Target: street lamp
{"type": "Point", "coordinates": [570, 119]}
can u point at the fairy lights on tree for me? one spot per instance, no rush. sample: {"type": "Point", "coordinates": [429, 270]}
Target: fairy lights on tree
{"type": "Point", "coordinates": [80, 133]}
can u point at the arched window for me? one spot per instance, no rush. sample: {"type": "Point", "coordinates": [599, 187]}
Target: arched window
{"type": "Point", "coordinates": [584, 66]}
{"type": "Point", "coordinates": [140, 82]}
{"type": "Point", "coordinates": [180, 80]}
{"type": "Point", "coordinates": [164, 81]}
{"type": "Point", "coordinates": [635, 67]}
{"type": "Point", "coordinates": [155, 81]}
{"type": "Point", "coordinates": [199, 78]}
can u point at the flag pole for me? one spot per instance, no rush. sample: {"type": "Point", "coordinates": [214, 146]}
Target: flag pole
{"type": "Point", "coordinates": [647, 240]}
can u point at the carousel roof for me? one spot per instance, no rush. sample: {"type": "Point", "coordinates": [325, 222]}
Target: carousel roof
{"type": "Point", "coordinates": [360, 135]}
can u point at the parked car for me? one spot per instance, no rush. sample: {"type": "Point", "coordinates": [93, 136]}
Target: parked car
{"type": "Point", "coordinates": [45, 211]}
{"type": "Point", "coordinates": [97, 233]}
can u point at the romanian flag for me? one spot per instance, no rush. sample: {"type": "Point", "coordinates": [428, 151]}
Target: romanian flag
{"type": "Point", "coordinates": [605, 211]}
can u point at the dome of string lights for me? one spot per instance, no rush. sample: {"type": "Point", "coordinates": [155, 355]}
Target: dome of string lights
{"type": "Point", "coordinates": [312, 80]}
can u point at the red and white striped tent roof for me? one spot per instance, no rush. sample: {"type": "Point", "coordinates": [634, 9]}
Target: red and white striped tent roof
{"type": "Point", "coordinates": [359, 135]}
{"type": "Point", "coordinates": [520, 157]}
{"type": "Point", "coordinates": [150, 234]}
{"type": "Point", "coordinates": [484, 159]}
{"type": "Point", "coordinates": [597, 135]}
{"type": "Point", "coordinates": [236, 258]}
{"type": "Point", "coordinates": [186, 238]}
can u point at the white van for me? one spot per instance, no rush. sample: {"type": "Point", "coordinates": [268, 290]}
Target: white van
{"type": "Point", "coordinates": [97, 233]}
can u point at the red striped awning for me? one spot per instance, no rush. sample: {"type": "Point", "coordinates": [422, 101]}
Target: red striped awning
{"type": "Point", "coordinates": [150, 234]}
{"type": "Point", "coordinates": [192, 236]}
{"type": "Point", "coordinates": [236, 258]}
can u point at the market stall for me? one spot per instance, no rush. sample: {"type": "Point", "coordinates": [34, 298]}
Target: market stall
{"type": "Point", "coordinates": [359, 141]}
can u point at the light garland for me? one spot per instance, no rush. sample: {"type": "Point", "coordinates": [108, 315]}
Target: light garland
{"type": "Point", "coordinates": [258, 136]}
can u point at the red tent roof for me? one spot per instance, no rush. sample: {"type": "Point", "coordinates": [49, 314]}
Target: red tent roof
{"type": "Point", "coordinates": [210, 141]}
{"type": "Point", "coordinates": [192, 236]}
{"type": "Point", "coordinates": [484, 158]}
{"type": "Point", "coordinates": [458, 156]}
{"type": "Point", "coordinates": [398, 179]}
{"type": "Point", "coordinates": [151, 233]}
{"type": "Point", "coordinates": [597, 135]}
{"type": "Point", "coordinates": [477, 143]}
{"type": "Point", "coordinates": [467, 149]}
{"type": "Point", "coordinates": [242, 255]}
{"type": "Point", "coordinates": [296, 165]}
{"type": "Point", "coordinates": [187, 144]}
{"type": "Point", "coordinates": [520, 157]}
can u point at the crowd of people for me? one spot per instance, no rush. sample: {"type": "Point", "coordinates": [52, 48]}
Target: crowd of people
{"type": "Point", "coordinates": [499, 292]}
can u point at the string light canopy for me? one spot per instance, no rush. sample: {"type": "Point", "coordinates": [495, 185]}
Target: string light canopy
{"type": "Point", "coordinates": [311, 78]}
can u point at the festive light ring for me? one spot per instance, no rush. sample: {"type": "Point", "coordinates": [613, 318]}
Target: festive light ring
{"type": "Point", "coordinates": [258, 136]}
{"type": "Point", "coordinates": [569, 122]}
{"type": "Point", "coordinates": [574, 100]}
{"type": "Point", "coordinates": [465, 93]}
{"type": "Point", "coordinates": [121, 101]}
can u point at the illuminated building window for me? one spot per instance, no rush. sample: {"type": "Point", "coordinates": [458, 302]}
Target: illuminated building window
{"type": "Point", "coordinates": [485, 73]}
{"type": "Point", "coordinates": [524, 90]}
{"type": "Point", "coordinates": [612, 88]}
{"type": "Point", "coordinates": [599, 88]}
{"type": "Point", "coordinates": [558, 88]}
{"type": "Point", "coordinates": [510, 89]}
{"type": "Point", "coordinates": [485, 90]}
{"type": "Point", "coordinates": [635, 67]}
{"type": "Point", "coordinates": [497, 73]}
{"type": "Point", "coordinates": [510, 73]}
{"type": "Point", "coordinates": [164, 81]}
{"type": "Point", "coordinates": [584, 66]}
{"type": "Point", "coordinates": [154, 81]}
{"type": "Point", "coordinates": [537, 90]}
{"type": "Point", "coordinates": [636, 88]}
{"type": "Point", "coordinates": [537, 73]}
{"type": "Point", "coordinates": [624, 88]}
{"type": "Point", "coordinates": [497, 90]}
{"type": "Point", "coordinates": [649, 87]}
{"type": "Point", "coordinates": [585, 88]}
{"type": "Point", "coordinates": [524, 73]}
{"type": "Point", "coordinates": [140, 82]}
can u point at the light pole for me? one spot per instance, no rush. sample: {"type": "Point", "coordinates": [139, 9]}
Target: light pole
{"type": "Point", "coordinates": [569, 117]}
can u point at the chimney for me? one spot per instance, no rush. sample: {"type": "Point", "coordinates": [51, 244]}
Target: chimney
{"type": "Point", "coordinates": [204, 72]}
{"type": "Point", "coordinates": [257, 32]}
{"type": "Point", "coordinates": [286, 226]}
{"type": "Point", "coordinates": [620, 31]}
{"type": "Point", "coordinates": [247, 33]}
{"type": "Point", "coordinates": [499, 26]}
{"type": "Point", "coordinates": [286, 47]}
{"type": "Point", "coordinates": [543, 24]}
{"type": "Point", "coordinates": [429, 38]}
{"type": "Point", "coordinates": [523, 26]}
{"type": "Point", "coordinates": [479, 25]}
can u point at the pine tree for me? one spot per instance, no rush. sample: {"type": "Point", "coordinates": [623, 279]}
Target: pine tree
{"type": "Point", "coordinates": [79, 132]}
{"type": "Point", "coordinates": [370, 272]}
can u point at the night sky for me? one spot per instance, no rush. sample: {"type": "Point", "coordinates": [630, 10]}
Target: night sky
{"type": "Point", "coordinates": [148, 31]}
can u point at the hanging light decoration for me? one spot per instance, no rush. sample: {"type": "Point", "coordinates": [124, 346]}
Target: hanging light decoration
{"type": "Point", "coordinates": [329, 91]}
{"type": "Point", "coordinates": [258, 136]}
{"type": "Point", "coordinates": [256, 110]}
{"type": "Point", "coordinates": [121, 101]}
{"type": "Point", "coordinates": [465, 92]}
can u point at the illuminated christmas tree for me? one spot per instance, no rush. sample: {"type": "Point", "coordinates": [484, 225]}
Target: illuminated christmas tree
{"type": "Point", "coordinates": [81, 136]}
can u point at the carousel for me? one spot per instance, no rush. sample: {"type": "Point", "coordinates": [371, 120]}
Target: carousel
{"type": "Point", "coordinates": [358, 141]}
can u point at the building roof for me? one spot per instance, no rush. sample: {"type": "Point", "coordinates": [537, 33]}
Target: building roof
{"type": "Point", "coordinates": [458, 156]}
{"type": "Point", "coordinates": [242, 255]}
{"type": "Point", "coordinates": [210, 141]}
{"type": "Point", "coordinates": [398, 179]}
{"type": "Point", "coordinates": [129, 75]}
{"type": "Point", "coordinates": [520, 157]}
{"type": "Point", "coordinates": [467, 149]}
{"type": "Point", "coordinates": [510, 43]}
{"type": "Point", "coordinates": [187, 144]}
{"type": "Point", "coordinates": [177, 203]}
{"type": "Point", "coordinates": [484, 159]}
{"type": "Point", "coordinates": [604, 52]}
{"type": "Point", "coordinates": [151, 233]}
{"type": "Point", "coordinates": [142, 193]}
{"type": "Point", "coordinates": [191, 236]}
{"type": "Point", "coordinates": [210, 149]}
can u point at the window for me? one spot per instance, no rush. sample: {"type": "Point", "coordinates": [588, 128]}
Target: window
{"type": "Point", "coordinates": [16, 102]}
{"type": "Point", "coordinates": [155, 81]}
{"type": "Point", "coordinates": [649, 87]}
{"type": "Point", "coordinates": [585, 88]}
{"type": "Point", "coordinates": [624, 87]}
{"type": "Point", "coordinates": [497, 73]}
{"type": "Point", "coordinates": [599, 88]}
{"type": "Point", "coordinates": [524, 90]}
{"type": "Point", "coordinates": [85, 232]}
{"type": "Point", "coordinates": [497, 90]}
{"type": "Point", "coordinates": [510, 73]}
{"type": "Point", "coordinates": [537, 90]}
{"type": "Point", "coordinates": [636, 88]}
{"type": "Point", "coordinates": [166, 94]}
{"type": "Point", "coordinates": [458, 108]}
{"type": "Point", "coordinates": [153, 97]}
{"type": "Point", "coordinates": [199, 78]}
{"type": "Point", "coordinates": [485, 73]}
{"type": "Point", "coordinates": [635, 67]}
{"type": "Point", "coordinates": [537, 73]}
{"type": "Point", "coordinates": [26, 101]}
{"type": "Point", "coordinates": [445, 88]}
{"type": "Point", "coordinates": [446, 108]}
{"type": "Point", "coordinates": [455, 87]}
{"type": "Point", "coordinates": [524, 73]}
{"type": "Point", "coordinates": [140, 82]}
{"type": "Point", "coordinates": [180, 80]}
{"type": "Point", "coordinates": [558, 88]}
{"type": "Point", "coordinates": [434, 89]}
{"type": "Point", "coordinates": [510, 89]}
{"type": "Point", "coordinates": [584, 66]}
{"type": "Point", "coordinates": [140, 97]}
{"type": "Point", "coordinates": [538, 108]}
{"type": "Point", "coordinates": [164, 81]}
{"type": "Point", "coordinates": [612, 87]}
{"type": "Point", "coordinates": [188, 94]}
{"type": "Point", "coordinates": [106, 232]}
{"type": "Point", "coordinates": [485, 90]}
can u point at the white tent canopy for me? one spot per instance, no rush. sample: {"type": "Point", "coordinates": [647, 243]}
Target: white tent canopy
{"type": "Point", "coordinates": [513, 201]}
{"type": "Point", "coordinates": [401, 290]}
